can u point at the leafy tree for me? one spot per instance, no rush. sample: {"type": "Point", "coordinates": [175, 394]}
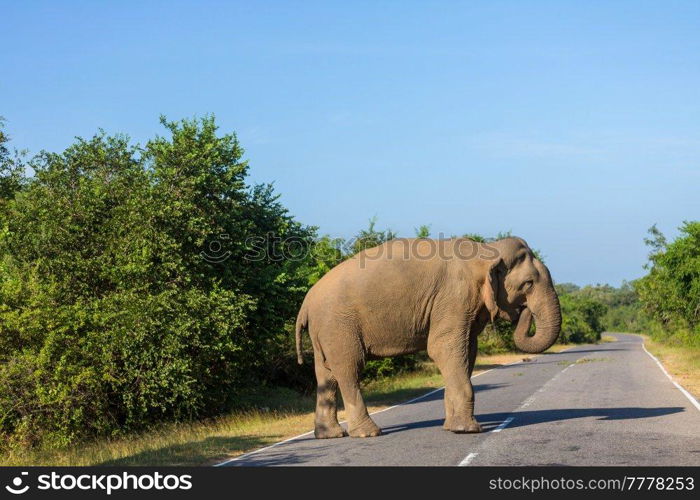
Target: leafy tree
{"type": "Point", "coordinates": [582, 318]}
{"type": "Point", "coordinates": [116, 310]}
{"type": "Point", "coordinates": [326, 253]}
{"type": "Point", "coordinates": [371, 237]}
{"type": "Point", "coordinates": [474, 237]}
{"type": "Point", "coordinates": [671, 290]}
{"type": "Point", "coordinates": [563, 288]}
{"type": "Point", "coordinates": [656, 241]}
{"type": "Point", "coordinates": [423, 231]}
{"type": "Point", "coordinates": [502, 235]}
{"type": "Point", "coordinates": [11, 169]}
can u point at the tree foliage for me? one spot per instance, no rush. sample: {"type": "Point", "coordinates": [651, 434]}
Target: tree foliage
{"type": "Point", "coordinates": [11, 169]}
{"type": "Point", "coordinates": [112, 313]}
{"type": "Point", "coordinates": [671, 290]}
{"type": "Point", "coordinates": [582, 318]}
{"type": "Point", "coordinates": [371, 237]}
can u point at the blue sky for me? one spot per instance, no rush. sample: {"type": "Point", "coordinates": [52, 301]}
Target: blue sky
{"type": "Point", "coordinates": [574, 124]}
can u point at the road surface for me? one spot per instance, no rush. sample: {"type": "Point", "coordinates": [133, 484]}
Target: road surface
{"type": "Point", "coordinates": [609, 404]}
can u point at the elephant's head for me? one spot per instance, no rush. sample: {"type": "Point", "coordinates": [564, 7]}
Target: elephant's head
{"type": "Point", "coordinates": [518, 288]}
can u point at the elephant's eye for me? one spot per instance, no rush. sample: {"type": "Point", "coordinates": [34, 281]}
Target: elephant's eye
{"type": "Point", "coordinates": [526, 286]}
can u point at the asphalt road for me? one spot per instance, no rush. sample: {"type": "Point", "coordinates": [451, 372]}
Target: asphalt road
{"type": "Point", "coordinates": [609, 404]}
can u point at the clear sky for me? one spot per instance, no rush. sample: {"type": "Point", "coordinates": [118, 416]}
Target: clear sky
{"type": "Point", "coordinates": [574, 124]}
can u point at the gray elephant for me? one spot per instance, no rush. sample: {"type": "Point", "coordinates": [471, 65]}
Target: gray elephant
{"type": "Point", "coordinates": [409, 295]}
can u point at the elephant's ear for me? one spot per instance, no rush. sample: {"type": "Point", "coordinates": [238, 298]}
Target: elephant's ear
{"type": "Point", "coordinates": [490, 290]}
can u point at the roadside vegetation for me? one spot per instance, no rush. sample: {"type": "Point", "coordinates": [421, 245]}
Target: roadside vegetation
{"type": "Point", "coordinates": [681, 361]}
{"type": "Point", "coordinates": [664, 305]}
{"type": "Point", "coordinates": [148, 293]}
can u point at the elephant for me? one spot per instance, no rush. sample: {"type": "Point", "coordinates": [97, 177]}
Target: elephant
{"type": "Point", "coordinates": [410, 295]}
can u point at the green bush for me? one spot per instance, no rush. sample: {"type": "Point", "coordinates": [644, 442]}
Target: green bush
{"type": "Point", "coordinates": [116, 310]}
{"type": "Point", "coordinates": [581, 319]}
{"type": "Point", "coordinates": [671, 291]}
{"type": "Point", "coordinates": [497, 337]}
{"type": "Point", "coordinates": [669, 295]}
{"type": "Point", "coordinates": [385, 367]}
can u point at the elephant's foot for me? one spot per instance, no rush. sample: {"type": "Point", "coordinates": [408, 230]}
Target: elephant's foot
{"type": "Point", "coordinates": [366, 429]}
{"type": "Point", "coordinates": [328, 431]}
{"type": "Point", "coordinates": [467, 427]}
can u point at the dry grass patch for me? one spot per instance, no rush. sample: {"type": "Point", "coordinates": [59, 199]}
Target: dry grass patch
{"type": "Point", "coordinates": [682, 362]}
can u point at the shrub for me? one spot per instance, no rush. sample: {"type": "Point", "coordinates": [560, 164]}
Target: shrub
{"type": "Point", "coordinates": [116, 310]}
{"type": "Point", "coordinates": [581, 319]}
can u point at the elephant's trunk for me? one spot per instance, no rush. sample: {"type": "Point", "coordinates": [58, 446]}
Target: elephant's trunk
{"type": "Point", "coordinates": [544, 307]}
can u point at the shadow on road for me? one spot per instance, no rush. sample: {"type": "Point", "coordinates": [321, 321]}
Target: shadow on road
{"type": "Point", "coordinates": [487, 387]}
{"type": "Point", "coordinates": [489, 421]}
{"type": "Point", "coordinates": [524, 418]}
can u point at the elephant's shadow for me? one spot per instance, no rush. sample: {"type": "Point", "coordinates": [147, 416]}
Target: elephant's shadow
{"type": "Point", "coordinates": [490, 421]}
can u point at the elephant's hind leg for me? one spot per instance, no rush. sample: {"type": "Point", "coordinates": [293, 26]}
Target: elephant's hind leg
{"type": "Point", "coordinates": [360, 424]}
{"type": "Point", "coordinates": [344, 356]}
{"type": "Point", "coordinates": [346, 366]}
{"type": "Point", "coordinates": [326, 421]}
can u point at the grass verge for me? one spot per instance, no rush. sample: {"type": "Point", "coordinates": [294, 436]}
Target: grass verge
{"type": "Point", "coordinates": [285, 414]}
{"type": "Point", "coordinates": [682, 362]}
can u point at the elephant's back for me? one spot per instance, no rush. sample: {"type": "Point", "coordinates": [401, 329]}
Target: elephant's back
{"type": "Point", "coordinates": [392, 264]}
{"type": "Point", "coordinates": [384, 289]}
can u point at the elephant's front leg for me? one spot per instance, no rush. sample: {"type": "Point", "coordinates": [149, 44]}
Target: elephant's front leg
{"type": "Point", "coordinates": [450, 355]}
{"type": "Point", "coordinates": [471, 358]}
{"type": "Point", "coordinates": [471, 355]}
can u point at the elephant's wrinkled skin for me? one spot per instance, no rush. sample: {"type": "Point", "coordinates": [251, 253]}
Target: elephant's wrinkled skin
{"type": "Point", "coordinates": [413, 294]}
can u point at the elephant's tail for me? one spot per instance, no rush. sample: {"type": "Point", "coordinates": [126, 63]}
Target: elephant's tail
{"type": "Point", "coordinates": [302, 322]}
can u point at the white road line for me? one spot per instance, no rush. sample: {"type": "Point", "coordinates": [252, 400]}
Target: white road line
{"type": "Point", "coordinates": [527, 402]}
{"type": "Point", "coordinates": [245, 455]}
{"type": "Point", "coordinates": [503, 425]}
{"type": "Point", "coordinates": [467, 460]}
{"type": "Point", "coordinates": [678, 386]}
